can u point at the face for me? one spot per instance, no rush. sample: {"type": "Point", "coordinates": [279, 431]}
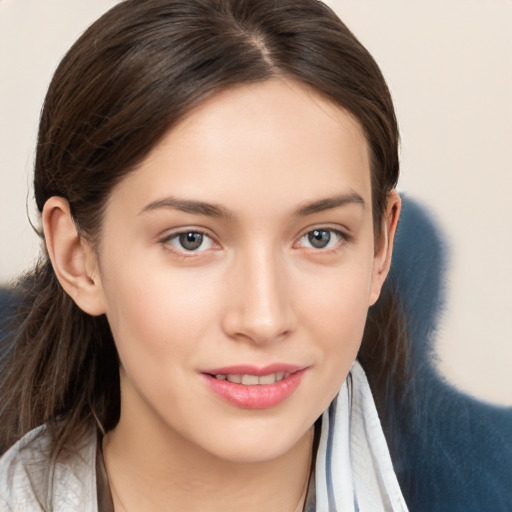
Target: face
{"type": "Point", "coordinates": [237, 265]}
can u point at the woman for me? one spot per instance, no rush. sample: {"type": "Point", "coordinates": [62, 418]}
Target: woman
{"type": "Point", "coordinates": [216, 187]}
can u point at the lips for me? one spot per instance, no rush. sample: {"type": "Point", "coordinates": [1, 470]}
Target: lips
{"type": "Point", "coordinates": [249, 387]}
{"type": "Point", "coordinates": [253, 380]}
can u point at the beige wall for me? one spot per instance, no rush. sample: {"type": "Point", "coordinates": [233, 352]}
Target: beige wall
{"type": "Point", "coordinates": [448, 64]}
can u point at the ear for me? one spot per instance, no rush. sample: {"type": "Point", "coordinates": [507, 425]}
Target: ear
{"type": "Point", "coordinates": [384, 248]}
{"type": "Point", "coordinates": [73, 259]}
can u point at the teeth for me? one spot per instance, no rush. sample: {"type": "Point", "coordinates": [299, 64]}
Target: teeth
{"type": "Point", "coordinates": [253, 380]}
{"type": "Point", "coordinates": [267, 379]}
{"type": "Point", "coordinates": [250, 380]}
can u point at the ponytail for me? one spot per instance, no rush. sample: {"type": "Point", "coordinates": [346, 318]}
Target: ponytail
{"type": "Point", "coordinates": [59, 367]}
{"type": "Point", "coordinates": [385, 356]}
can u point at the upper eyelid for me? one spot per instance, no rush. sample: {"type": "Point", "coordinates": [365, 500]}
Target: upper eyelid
{"type": "Point", "coordinates": [331, 230]}
{"type": "Point", "coordinates": [343, 232]}
{"type": "Point", "coordinates": [171, 233]}
{"type": "Point", "coordinates": [165, 242]}
{"type": "Point", "coordinates": [345, 238]}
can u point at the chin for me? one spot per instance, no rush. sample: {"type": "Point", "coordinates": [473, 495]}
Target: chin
{"type": "Point", "coordinates": [253, 445]}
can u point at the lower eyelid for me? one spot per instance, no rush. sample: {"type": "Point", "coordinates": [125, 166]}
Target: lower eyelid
{"type": "Point", "coordinates": [340, 235]}
{"type": "Point", "coordinates": [166, 241]}
{"type": "Point", "coordinates": [174, 237]}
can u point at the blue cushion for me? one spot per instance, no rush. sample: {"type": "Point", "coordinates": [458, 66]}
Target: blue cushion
{"type": "Point", "coordinates": [452, 453]}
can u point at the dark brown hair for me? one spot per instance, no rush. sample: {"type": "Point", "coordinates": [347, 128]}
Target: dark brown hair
{"type": "Point", "coordinates": [126, 81]}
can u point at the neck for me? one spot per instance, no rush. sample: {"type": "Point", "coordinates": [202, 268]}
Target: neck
{"type": "Point", "coordinates": [152, 471]}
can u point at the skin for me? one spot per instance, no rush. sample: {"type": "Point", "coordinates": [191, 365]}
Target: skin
{"type": "Point", "coordinates": [256, 292]}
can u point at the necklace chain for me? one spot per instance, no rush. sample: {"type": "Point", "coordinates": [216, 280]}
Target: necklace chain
{"type": "Point", "coordinates": [122, 508]}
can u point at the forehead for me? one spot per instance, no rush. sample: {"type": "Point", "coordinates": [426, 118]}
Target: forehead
{"type": "Point", "coordinates": [256, 142]}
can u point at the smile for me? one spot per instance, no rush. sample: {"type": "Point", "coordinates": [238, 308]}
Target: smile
{"type": "Point", "coordinates": [253, 380]}
{"type": "Point", "coordinates": [251, 388]}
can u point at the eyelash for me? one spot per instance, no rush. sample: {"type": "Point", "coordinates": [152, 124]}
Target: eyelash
{"type": "Point", "coordinates": [339, 239]}
{"type": "Point", "coordinates": [168, 244]}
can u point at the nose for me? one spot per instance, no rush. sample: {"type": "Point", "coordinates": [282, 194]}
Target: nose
{"type": "Point", "coordinates": [259, 304]}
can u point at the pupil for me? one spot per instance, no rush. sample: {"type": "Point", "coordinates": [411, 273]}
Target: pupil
{"type": "Point", "coordinates": [191, 241]}
{"type": "Point", "coordinates": [319, 238]}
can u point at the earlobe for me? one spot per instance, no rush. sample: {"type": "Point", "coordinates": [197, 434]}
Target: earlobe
{"type": "Point", "coordinates": [384, 250]}
{"type": "Point", "coordinates": [72, 257]}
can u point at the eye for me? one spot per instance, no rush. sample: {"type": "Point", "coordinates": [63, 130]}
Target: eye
{"type": "Point", "coordinates": [321, 238]}
{"type": "Point", "coordinates": [190, 241]}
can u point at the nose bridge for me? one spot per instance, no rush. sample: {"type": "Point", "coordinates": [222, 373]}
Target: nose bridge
{"type": "Point", "coordinates": [261, 308]}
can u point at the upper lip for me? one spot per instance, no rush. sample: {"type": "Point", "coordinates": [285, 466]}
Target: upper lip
{"type": "Point", "coordinates": [248, 369]}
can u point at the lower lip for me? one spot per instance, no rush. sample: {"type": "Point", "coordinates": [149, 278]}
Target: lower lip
{"type": "Point", "coordinates": [255, 396]}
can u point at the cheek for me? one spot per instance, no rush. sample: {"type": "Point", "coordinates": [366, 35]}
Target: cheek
{"type": "Point", "coordinates": [339, 297]}
{"type": "Point", "coordinates": [335, 315]}
{"type": "Point", "coordinates": [157, 314]}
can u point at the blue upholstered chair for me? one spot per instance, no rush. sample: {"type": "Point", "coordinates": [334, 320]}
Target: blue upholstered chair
{"type": "Point", "coordinates": [451, 452]}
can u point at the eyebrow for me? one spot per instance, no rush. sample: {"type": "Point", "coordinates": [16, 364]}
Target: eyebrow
{"type": "Point", "coordinates": [215, 210]}
{"type": "Point", "coordinates": [189, 206]}
{"type": "Point", "coordinates": [330, 203]}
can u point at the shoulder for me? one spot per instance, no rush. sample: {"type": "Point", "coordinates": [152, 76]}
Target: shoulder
{"type": "Point", "coordinates": [30, 480]}
{"type": "Point", "coordinates": [18, 467]}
